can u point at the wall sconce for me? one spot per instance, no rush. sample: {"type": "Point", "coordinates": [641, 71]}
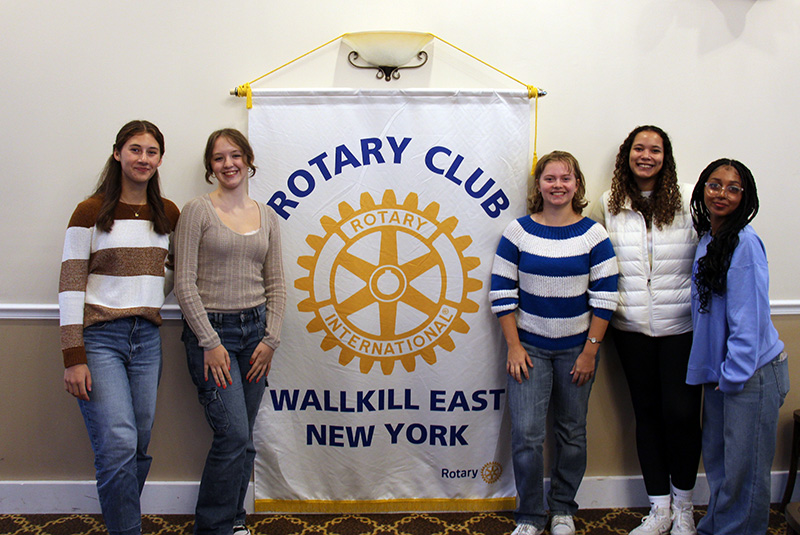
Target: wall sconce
{"type": "Point", "coordinates": [387, 51]}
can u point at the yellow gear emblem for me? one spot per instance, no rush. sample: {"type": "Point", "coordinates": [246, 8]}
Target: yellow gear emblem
{"type": "Point", "coordinates": [388, 282]}
{"type": "Point", "coordinates": [491, 472]}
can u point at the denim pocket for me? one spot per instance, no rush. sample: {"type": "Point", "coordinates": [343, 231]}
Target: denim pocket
{"type": "Point", "coordinates": [214, 408]}
{"type": "Point", "coordinates": [781, 367]}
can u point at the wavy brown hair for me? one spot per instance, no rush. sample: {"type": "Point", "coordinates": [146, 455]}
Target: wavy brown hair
{"type": "Point", "coordinates": [109, 187]}
{"type": "Point", "coordinates": [535, 201]}
{"type": "Point", "coordinates": [236, 138]}
{"type": "Point", "coordinates": [660, 207]}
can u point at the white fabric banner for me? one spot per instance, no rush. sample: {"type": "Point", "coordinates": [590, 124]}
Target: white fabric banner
{"type": "Point", "coordinates": [388, 390]}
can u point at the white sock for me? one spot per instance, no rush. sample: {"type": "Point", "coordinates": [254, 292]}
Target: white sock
{"type": "Point", "coordinates": [681, 496]}
{"type": "Point", "coordinates": [660, 502]}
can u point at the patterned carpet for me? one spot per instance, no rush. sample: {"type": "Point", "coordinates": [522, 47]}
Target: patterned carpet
{"type": "Point", "coordinates": [590, 521]}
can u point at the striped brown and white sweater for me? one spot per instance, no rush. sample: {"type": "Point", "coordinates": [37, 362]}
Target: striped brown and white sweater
{"type": "Point", "coordinates": [111, 275]}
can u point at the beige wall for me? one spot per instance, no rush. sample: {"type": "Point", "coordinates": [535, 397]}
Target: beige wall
{"type": "Point", "coordinates": [720, 76]}
{"type": "Point", "coordinates": [43, 436]}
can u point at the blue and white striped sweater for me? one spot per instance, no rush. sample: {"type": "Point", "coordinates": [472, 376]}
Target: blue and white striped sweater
{"type": "Point", "coordinates": [555, 277]}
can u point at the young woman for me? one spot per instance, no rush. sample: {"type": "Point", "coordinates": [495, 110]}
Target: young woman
{"type": "Point", "coordinates": [647, 216]}
{"type": "Point", "coordinates": [231, 291]}
{"type": "Point", "coordinates": [116, 270]}
{"type": "Point", "coordinates": [554, 288]}
{"type": "Point", "coordinates": [736, 353]}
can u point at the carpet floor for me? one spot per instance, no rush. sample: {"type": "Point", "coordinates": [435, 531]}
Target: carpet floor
{"type": "Point", "coordinates": [588, 521]}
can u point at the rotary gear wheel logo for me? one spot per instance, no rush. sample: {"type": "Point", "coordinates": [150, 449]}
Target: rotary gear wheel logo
{"type": "Point", "coordinates": [388, 283]}
{"type": "Point", "coordinates": [491, 472]}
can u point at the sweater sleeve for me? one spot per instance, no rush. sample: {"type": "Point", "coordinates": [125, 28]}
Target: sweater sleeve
{"type": "Point", "coordinates": [603, 277]}
{"type": "Point", "coordinates": [72, 283]}
{"type": "Point", "coordinates": [188, 235]}
{"type": "Point", "coordinates": [747, 312]}
{"type": "Point", "coordinates": [504, 289]}
{"type": "Point", "coordinates": [169, 272]}
{"type": "Point", "coordinates": [274, 282]}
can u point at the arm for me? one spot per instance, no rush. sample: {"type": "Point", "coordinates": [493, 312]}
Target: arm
{"type": "Point", "coordinates": [71, 300]}
{"type": "Point", "coordinates": [748, 313]}
{"type": "Point", "coordinates": [518, 361]}
{"type": "Point", "coordinates": [603, 297]}
{"type": "Point", "coordinates": [78, 381]}
{"type": "Point", "coordinates": [275, 299]}
{"type": "Point", "coordinates": [169, 265]}
{"type": "Point", "coordinates": [583, 369]}
{"type": "Point", "coordinates": [188, 235]}
{"type": "Point", "coordinates": [504, 294]}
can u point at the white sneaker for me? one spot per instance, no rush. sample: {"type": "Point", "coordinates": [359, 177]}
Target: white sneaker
{"type": "Point", "coordinates": [526, 529]}
{"type": "Point", "coordinates": [683, 519]}
{"type": "Point", "coordinates": [241, 530]}
{"type": "Point", "coordinates": [562, 525]}
{"type": "Point", "coordinates": [657, 522]}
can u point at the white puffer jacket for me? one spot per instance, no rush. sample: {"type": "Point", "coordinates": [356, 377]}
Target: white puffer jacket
{"type": "Point", "coordinates": [652, 302]}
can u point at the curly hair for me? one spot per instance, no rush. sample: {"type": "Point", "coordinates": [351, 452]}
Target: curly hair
{"type": "Point", "coordinates": [109, 186]}
{"type": "Point", "coordinates": [535, 201]}
{"type": "Point", "coordinates": [712, 269]}
{"type": "Point", "coordinates": [660, 207]}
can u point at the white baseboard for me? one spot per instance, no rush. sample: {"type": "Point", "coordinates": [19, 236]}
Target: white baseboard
{"type": "Point", "coordinates": [80, 497]}
{"type": "Point", "coordinates": [178, 497]}
{"type": "Point", "coordinates": [629, 491]}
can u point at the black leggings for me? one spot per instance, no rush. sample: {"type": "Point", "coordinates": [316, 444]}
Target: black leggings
{"type": "Point", "coordinates": [668, 435]}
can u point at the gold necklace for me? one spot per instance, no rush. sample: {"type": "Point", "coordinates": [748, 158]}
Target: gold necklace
{"type": "Point", "coordinates": [134, 210]}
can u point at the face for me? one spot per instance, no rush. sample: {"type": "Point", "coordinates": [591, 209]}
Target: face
{"type": "Point", "coordinates": [646, 158]}
{"type": "Point", "coordinates": [139, 158]}
{"type": "Point", "coordinates": [723, 202]}
{"type": "Point", "coordinates": [557, 184]}
{"type": "Point", "coordinates": [227, 162]}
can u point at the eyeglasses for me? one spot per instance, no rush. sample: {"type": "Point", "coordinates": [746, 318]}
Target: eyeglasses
{"type": "Point", "coordinates": [719, 189]}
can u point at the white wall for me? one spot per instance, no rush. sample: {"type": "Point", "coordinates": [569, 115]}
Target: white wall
{"type": "Point", "coordinates": [721, 76]}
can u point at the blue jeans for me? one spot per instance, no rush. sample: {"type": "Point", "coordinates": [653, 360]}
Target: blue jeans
{"type": "Point", "coordinates": [738, 447]}
{"type": "Point", "coordinates": [529, 402]}
{"type": "Point", "coordinates": [231, 413]}
{"type": "Point", "coordinates": [124, 358]}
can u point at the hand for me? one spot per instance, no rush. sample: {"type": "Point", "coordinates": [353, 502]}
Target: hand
{"type": "Point", "coordinates": [78, 381]}
{"type": "Point", "coordinates": [583, 369]}
{"type": "Point", "coordinates": [219, 362]}
{"type": "Point", "coordinates": [518, 362]}
{"type": "Point", "coordinates": [260, 362]}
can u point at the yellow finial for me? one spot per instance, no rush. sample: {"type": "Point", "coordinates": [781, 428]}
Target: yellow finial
{"type": "Point", "coordinates": [244, 90]}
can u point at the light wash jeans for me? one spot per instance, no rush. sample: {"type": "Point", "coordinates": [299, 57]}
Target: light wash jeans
{"type": "Point", "coordinates": [231, 413]}
{"type": "Point", "coordinates": [739, 432]}
{"type": "Point", "coordinates": [124, 358]}
{"type": "Point", "coordinates": [529, 402]}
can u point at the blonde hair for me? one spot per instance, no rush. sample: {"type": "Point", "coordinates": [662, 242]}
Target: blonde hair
{"type": "Point", "coordinates": [535, 201]}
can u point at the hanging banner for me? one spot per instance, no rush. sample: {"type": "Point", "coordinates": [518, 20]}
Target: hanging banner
{"type": "Point", "coordinates": [388, 391]}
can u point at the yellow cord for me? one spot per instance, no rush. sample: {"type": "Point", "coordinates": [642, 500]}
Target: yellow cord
{"type": "Point", "coordinates": [535, 128]}
{"type": "Point", "coordinates": [245, 90]}
{"type": "Point", "coordinates": [533, 92]}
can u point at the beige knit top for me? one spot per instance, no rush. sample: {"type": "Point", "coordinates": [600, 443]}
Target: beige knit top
{"type": "Point", "coordinates": [220, 270]}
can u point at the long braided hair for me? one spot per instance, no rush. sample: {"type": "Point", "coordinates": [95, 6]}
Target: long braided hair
{"type": "Point", "coordinates": [712, 269]}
